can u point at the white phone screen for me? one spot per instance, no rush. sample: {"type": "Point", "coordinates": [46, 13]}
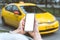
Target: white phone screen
{"type": "Point", "coordinates": [29, 22]}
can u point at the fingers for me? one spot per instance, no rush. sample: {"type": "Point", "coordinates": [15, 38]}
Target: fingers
{"type": "Point", "coordinates": [31, 34]}
{"type": "Point", "coordinates": [22, 24]}
{"type": "Point", "coordinates": [36, 26]}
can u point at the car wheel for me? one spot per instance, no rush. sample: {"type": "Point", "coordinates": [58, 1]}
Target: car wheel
{"type": "Point", "coordinates": [3, 21]}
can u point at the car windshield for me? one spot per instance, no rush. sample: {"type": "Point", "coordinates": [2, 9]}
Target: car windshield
{"type": "Point", "coordinates": [32, 9]}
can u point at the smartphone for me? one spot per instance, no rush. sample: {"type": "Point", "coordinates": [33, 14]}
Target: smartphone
{"type": "Point", "coordinates": [29, 22]}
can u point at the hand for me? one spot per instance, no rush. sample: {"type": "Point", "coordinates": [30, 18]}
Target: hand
{"type": "Point", "coordinates": [35, 34]}
{"type": "Point", "coordinates": [35, 29]}
{"type": "Point", "coordinates": [20, 29]}
{"type": "Point", "coordinates": [21, 26]}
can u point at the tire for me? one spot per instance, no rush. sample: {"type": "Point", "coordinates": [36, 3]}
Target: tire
{"type": "Point", "coordinates": [3, 21]}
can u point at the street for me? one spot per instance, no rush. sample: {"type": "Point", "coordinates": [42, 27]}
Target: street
{"type": "Point", "coordinates": [54, 36]}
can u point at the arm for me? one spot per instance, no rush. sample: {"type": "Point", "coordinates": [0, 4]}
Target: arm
{"type": "Point", "coordinates": [37, 36]}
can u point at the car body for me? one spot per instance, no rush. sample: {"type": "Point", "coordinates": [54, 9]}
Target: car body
{"type": "Point", "coordinates": [47, 23]}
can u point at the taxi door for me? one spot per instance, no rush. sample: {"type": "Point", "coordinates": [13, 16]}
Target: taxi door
{"type": "Point", "coordinates": [16, 17]}
{"type": "Point", "coordinates": [10, 17]}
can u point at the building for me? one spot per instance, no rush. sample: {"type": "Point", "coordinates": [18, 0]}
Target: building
{"type": "Point", "coordinates": [32, 1]}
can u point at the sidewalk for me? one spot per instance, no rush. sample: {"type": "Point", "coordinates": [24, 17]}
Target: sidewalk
{"type": "Point", "coordinates": [3, 3]}
{"type": "Point", "coordinates": [58, 18]}
{"type": "Point", "coordinates": [55, 6]}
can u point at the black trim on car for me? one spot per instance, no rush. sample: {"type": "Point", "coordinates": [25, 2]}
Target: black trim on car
{"type": "Point", "coordinates": [48, 30]}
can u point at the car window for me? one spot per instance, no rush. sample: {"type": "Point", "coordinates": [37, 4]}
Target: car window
{"type": "Point", "coordinates": [9, 8]}
{"type": "Point", "coordinates": [32, 9]}
{"type": "Point", "coordinates": [15, 8]}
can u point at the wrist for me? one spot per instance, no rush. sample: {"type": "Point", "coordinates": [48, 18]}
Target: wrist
{"type": "Point", "coordinates": [15, 31]}
{"type": "Point", "coordinates": [12, 32]}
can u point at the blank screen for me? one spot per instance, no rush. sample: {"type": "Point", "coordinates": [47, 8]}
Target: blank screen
{"type": "Point", "coordinates": [29, 23]}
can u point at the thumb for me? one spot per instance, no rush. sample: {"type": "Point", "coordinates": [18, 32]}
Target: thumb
{"type": "Point", "coordinates": [36, 26]}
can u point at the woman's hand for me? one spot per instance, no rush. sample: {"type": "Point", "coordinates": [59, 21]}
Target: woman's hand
{"type": "Point", "coordinates": [35, 29]}
{"type": "Point", "coordinates": [20, 29]}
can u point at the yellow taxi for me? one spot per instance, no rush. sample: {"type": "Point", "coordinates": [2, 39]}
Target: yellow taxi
{"type": "Point", "coordinates": [14, 12]}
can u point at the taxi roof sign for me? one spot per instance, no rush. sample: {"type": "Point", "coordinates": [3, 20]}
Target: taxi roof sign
{"type": "Point", "coordinates": [21, 2]}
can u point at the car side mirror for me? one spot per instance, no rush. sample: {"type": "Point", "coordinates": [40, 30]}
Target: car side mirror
{"type": "Point", "coordinates": [16, 12]}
